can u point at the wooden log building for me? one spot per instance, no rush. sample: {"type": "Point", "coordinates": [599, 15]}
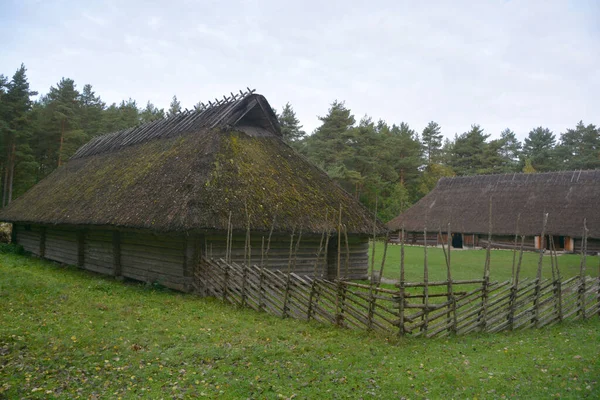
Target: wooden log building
{"type": "Point", "coordinates": [147, 202]}
{"type": "Point", "coordinates": [519, 202]}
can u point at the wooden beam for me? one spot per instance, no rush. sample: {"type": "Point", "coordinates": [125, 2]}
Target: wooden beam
{"type": "Point", "coordinates": [116, 248]}
{"type": "Point", "coordinates": [42, 241]}
{"type": "Point", "coordinates": [80, 248]}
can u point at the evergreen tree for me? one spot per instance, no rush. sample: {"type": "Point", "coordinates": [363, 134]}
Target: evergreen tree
{"type": "Point", "coordinates": [123, 116]}
{"type": "Point", "coordinates": [174, 107]}
{"type": "Point", "coordinates": [579, 148]}
{"type": "Point", "coordinates": [291, 130]}
{"type": "Point", "coordinates": [92, 109]}
{"type": "Point", "coordinates": [469, 152]}
{"type": "Point", "coordinates": [151, 113]}
{"type": "Point", "coordinates": [539, 149]}
{"type": "Point", "coordinates": [17, 154]}
{"type": "Point", "coordinates": [432, 142]}
{"type": "Point", "coordinates": [510, 150]}
{"type": "Point", "coordinates": [326, 145]}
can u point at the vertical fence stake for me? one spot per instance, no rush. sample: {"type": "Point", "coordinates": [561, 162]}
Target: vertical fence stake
{"type": "Point", "coordinates": [582, 267]}
{"type": "Point", "coordinates": [536, 300]}
{"type": "Point", "coordinates": [287, 281]}
{"type": "Point", "coordinates": [269, 240]}
{"type": "Point", "coordinates": [425, 317]}
{"type": "Point", "coordinates": [401, 286]}
{"type": "Point", "coordinates": [370, 311]}
{"type": "Point", "coordinates": [557, 285]}
{"type": "Point", "coordinates": [347, 275]}
{"type": "Point", "coordinates": [451, 319]}
{"type": "Point", "coordinates": [515, 288]}
{"type": "Point", "coordinates": [486, 274]}
{"type": "Point", "coordinates": [515, 247]}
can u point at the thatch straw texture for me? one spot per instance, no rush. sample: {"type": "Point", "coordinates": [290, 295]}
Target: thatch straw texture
{"type": "Point", "coordinates": [568, 197]}
{"type": "Point", "coordinates": [187, 173]}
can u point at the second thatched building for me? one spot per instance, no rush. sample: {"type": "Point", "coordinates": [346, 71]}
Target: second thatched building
{"type": "Point", "coordinates": [518, 205]}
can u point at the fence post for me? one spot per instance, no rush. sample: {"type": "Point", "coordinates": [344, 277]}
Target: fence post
{"type": "Point", "coordinates": [582, 287]}
{"type": "Point", "coordinates": [515, 288]}
{"type": "Point", "coordinates": [244, 278]}
{"type": "Point", "coordinates": [538, 283]}
{"type": "Point", "coordinates": [425, 317]}
{"type": "Point", "coordinates": [401, 331]}
{"type": "Point", "coordinates": [557, 284]}
{"type": "Point", "coordinates": [261, 289]}
{"type": "Point", "coordinates": [287, 280]}
{"type": "Point", "coordinates": [486, 274]}
{"type": "Point", "coordinates": [451, 314]}
{"type": "Point", "coordinates": [225, 280]}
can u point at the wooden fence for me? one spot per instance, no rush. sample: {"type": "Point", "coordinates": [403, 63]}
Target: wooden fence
{"type": "Point", "coordinates": [428, 309]}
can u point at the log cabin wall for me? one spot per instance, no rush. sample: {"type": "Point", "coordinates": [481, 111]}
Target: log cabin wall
{"type": "Point", "coordinates": [278, 256]}
{"type": "Point", "coordinates": [593, 246]}
{"type": "Point", "coordinates": [28, 236]}
{"type": "Point", "coordinates": [507, 242]}
{"type": "Point", "coordinates": [61, 245]}
{"type": "Point", "coordinates": [153, 258]}
{"type": "Point", "coordinates": [98, 251]}
{"type": "Point", "coordinates": [305, 259]}
{"type": "Point", "coordinates": [170, 259]}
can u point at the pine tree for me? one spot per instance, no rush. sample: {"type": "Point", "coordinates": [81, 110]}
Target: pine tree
{"type": "Point", "coordinates": [151, 113]}
{"type": "Point", "coordinates": [326, 145]}
{"type": "Point", "coordinates": [432, 142]}
{"type": "Point", "coordinates": [579, 148]}
{"type": "Point", "coordinates": [291, 130]}
{"type": "Point", "coordinates": [539, 149]}
{"type": "Point", "coordinates": [510, 150]}
{"type": "Point", "coordinates": [469, 152]}
{"type": "Point", "coordinates": [17, 131]}
{"type": "Point", "coordinates": [92, 109]}
{"type": "Point", "coordinates": [174, 107]}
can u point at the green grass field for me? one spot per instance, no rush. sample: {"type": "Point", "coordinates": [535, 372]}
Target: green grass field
{"type": "Point", "coordinates": [68, 333]}
{"type": "Point", "coordinates": [468, 264]}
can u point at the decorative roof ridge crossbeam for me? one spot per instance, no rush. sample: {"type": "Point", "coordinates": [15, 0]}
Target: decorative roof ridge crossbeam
{"type": "Point", "coordinates": [207, 115]}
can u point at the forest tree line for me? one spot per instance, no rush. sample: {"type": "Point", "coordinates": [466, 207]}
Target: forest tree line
{"type": "Point", "coordinates": [387, 167]}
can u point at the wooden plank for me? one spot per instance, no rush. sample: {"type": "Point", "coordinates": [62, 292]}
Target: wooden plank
{"type": "Point", "coordinates": [116, 243]}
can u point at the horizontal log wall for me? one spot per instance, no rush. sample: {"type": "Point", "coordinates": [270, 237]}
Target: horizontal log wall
{"type": "Point", "coordinates": [303, 260]}
{"type": "Point", "coordinates": [507, 242]}
{"type": "Point", "coordinates": [593, 246]}
{"type": "Point", "coordinates": [28, 237]}
{"type": "Point", "coordinates": [98, 251]}
{"type": "Point", "coordinates": [61, 245]}
{"type": "Point", "coordinates": [278, 256]}
{"type": "Point", "coordinates": [153, 258]}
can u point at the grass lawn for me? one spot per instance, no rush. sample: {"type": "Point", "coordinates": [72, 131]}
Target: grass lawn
{"type": "Point", "coordinates": [67, 333]}
{"type": "Point", "coordinates": [468, 264]}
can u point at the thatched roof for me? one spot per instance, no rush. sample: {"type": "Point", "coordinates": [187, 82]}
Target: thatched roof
{"type": "Point", "coordinates": [187, 172]}
{"type": "Point", "coordinates": [568, 197]}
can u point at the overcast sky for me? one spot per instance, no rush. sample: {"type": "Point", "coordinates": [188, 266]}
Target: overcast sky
{"type": "Point", "coordinates": [498, 63]}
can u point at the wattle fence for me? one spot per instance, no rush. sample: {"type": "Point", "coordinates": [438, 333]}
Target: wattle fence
{"type": "Point", "coordinates": [412, 308]}
{"type": "Point", "coordinates": [428, 309]}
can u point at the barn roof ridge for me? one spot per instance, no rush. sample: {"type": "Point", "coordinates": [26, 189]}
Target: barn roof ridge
{"type": "Point", "coordinates": [223, 112]}
{"type": "Point", "coordinates": [568, 197]}
{"type": "Point", "coordinates": [188, 173]}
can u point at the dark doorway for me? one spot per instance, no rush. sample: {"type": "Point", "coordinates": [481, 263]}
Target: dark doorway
{"type": "Point", "coordinates": [457, 240]}
{"type": "Point", "coordinates": [559, 242]}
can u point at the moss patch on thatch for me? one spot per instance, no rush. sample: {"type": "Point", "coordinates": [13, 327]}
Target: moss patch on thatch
{"type": "Point", "coordinates": [193, 182]}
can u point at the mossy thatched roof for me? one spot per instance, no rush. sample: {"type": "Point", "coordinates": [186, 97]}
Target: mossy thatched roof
{"type": "Point", "coordinates": [191, 178]}
{"type": "Point", "coordinates": [568, 197]}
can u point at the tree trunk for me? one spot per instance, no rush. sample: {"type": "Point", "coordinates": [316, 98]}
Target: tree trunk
{"type": "Point", "coordinates": [5, 170]}
{"type": "Point", "coordinates": [62, 138]}
{"type": "Point", "coordinates": [12, 171]}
